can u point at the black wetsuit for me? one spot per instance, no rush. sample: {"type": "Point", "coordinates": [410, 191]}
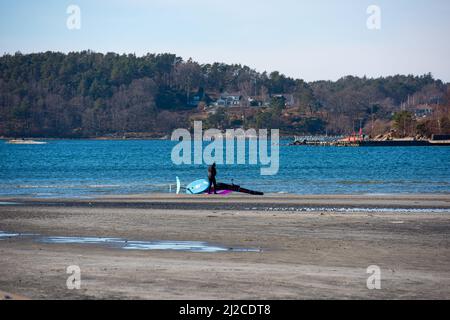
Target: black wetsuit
{"type": "Point", "coordinates": [212, 178]}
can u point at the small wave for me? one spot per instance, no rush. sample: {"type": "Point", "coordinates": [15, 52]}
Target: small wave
{"type": "Point", "coordinates": [361, 182]}
{"type": "Point", "coordinates": [104, 186]}
{"type": "Point", "coordinates": [27, 186]}
{"type": "Point", "coordinates": [71, 186]}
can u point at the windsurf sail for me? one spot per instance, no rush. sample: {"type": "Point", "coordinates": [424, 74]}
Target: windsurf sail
{"type": "Point", "coordinates": [236, 188]}
{"type": "Point", "coordinates": [201, 186]}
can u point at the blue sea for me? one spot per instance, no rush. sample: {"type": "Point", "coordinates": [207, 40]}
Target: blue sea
{"type": "Point", "coordinates": [88, 168]}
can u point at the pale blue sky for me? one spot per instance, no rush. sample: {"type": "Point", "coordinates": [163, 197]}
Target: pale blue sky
{"type": "Point", "coordinates": [320, 39]}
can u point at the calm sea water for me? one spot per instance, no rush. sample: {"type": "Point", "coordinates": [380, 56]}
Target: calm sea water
{"type": "Point", "coordinates": [85, 168]}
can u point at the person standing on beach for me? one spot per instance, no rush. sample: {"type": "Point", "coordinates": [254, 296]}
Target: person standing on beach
{"type": "Point", "coordinates": [212, 172]}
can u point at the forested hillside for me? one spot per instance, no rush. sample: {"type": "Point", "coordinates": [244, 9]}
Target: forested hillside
{"type": "Point", "coordinates": [89, 94]}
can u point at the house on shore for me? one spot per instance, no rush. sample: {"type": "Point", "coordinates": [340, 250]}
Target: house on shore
{"type": "Point", "coordinates": [288, 98]}
{"type": "Point", "coordinates": [423, 111]}
{"type": "Point", "coordinates": [229, 99]}
{"type": "Point", "coordinates": [237, 100]}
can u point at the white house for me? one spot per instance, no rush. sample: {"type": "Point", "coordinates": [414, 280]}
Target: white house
{"type": "Point", "coordinates": [229, 100]}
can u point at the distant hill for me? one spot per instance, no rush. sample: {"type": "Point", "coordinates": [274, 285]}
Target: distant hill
{"type": "Point", "coordinates": [88, 94]}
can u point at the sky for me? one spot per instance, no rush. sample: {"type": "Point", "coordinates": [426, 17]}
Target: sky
{"type": "Point", "coordinates": [311, 40]}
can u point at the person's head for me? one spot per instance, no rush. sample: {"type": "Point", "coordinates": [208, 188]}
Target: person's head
{"type": "Point", "coordinates": [214, 164]}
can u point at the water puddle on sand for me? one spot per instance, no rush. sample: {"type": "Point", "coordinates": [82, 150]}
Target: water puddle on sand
{"type": "Point", "coordinates": [81, 240]}
{"type": "Point", "coordinates": [5, 235]}
{"type": "Point", "coordinates": [186, 246]}
{"type": "Point", "coordinates": [191, 246]}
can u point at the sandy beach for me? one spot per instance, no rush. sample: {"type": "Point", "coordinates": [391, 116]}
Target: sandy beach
{"type": "Point", "coordinates": [302, 247]}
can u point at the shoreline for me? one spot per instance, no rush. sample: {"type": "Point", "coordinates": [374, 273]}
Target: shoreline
{"type": "Point", "coordinates": [93, 139]}
{"type": "Point", "coordinates": [244, 253]}
{"type": "Point", "coordinates": [268, 202]}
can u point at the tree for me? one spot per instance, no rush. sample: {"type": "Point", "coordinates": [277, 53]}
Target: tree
{"type": "Point", "coordinates": [277, 104]}
{"type": "Point", "coordinates": [265, 120]}
{"type": "Point", "coordinates": [188, 76]}
{"type": "Point", "coordinates": [218, 119]}
{"type": "Point", "coordinates": [305, 98]}
{"type": "Point", "coordinates": [404, 123]}
{"type": "Point", "coordinates": [83, 94]}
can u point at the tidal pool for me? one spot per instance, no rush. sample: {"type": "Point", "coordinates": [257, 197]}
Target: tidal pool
{"type": "Point", "coordinates": [187, 246]}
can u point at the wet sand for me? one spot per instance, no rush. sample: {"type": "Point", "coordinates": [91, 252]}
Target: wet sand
{"type": "Point", "coordinates": [312, 247]}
